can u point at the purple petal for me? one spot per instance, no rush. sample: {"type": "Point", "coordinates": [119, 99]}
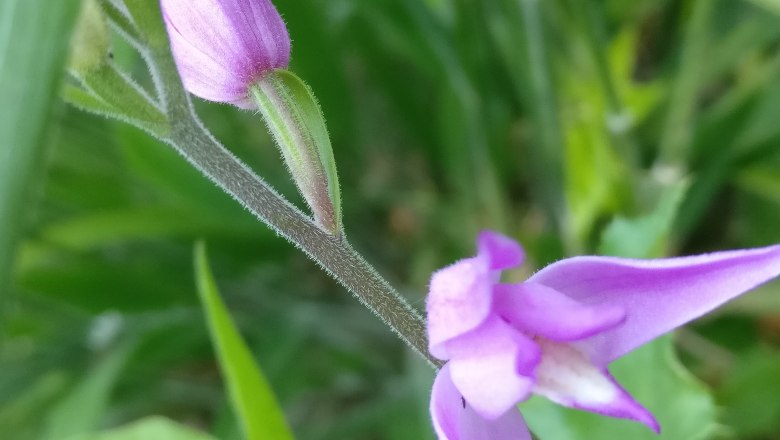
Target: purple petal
{"type": "Point", "coordinates": [492, 367]}
{"type": "Point", "coordinates": [501, 251]}
{"type": "Point", "coordinates": [540, 310]}
{"type": "Point", "coordinates": [567, 377]}
{"type": "Point", "coordinates": [222, 46]}
{"type": "Point", "coordinates": [453, 419]}
{"type": "Point", "coordinates": [459, 300]}
{"type": "Point", "coordinates": [658, 295]}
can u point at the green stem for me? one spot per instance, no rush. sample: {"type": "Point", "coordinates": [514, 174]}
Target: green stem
{"type": "Point", "coordinates": [333, 254]}
{"type": "Point", "coordinates": [548, 156]}
{"type": "Point", "coordinates": [617, 118]}
{"type": "Point", "coordinates": [677, 133]}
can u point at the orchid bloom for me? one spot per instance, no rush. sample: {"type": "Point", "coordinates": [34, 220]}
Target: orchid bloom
{"type": "Point", "coordinates": [555, 333]}
{"type": "Point", "coordinates": [222, 47]}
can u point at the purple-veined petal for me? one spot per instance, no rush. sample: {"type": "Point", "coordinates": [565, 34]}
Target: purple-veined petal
{"type": "Point", "coordinates": [271, 42]}
{"type": "Point", "coordinates": [459, 300]}
{"type": "Point", "coordinates": [453, 418]}
{"type": "Point", "coordinates": [222, 46]}
{"type": "Point", "coordinates": [657, 295]}
{"type": "Point", "coordinates": [567, 377]}
{"type": "Point", "coordinates": [540, 310]}
{"type": "Point", "coordinates": [492, 367]}
{"type": "Point", "coordinates": [501, 251]}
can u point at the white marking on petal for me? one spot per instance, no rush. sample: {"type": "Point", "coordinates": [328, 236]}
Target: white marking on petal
{"type": "Point", "coordinates": [566, 376]}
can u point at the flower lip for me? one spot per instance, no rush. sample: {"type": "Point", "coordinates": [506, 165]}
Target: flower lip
{"type": "Point", "coordinates": [493, 367]}
{"type": "Point", "coordinates": [453, 419]}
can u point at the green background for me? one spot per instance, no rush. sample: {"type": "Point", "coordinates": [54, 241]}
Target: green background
{"type": "Point", "coordinates": [642, 128]}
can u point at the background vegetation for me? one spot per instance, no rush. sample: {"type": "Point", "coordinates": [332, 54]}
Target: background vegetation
{"type": "Point", "coordinates": [641, 128]}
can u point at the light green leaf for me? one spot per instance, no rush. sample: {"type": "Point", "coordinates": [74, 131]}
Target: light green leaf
{"type": "Point", "coordinates": [148, 20]}
{"type": "Point", "coordinates": [769, 5]}
{"type": "Point", "coordinates": [151, 428]}
{"type": "Point", "coordinates": [643, 237]}
{"type": "Point", "coordinates": [89, 46]}
{"type": "Point", "coordinates": [250, 394]}
{"type": "Point", "coordinates": [752, 408]}
{"type": "Point", "coordinates": [22, 414]}
{"type": "Point", "coordinates": [80, 411]}
{"type": "Point", "coordinates": [117, 96]}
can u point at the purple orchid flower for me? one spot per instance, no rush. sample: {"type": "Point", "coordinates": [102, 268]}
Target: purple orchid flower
{"type": "Point", "coordinates": [555, 334]}
{"type": "Point", "coordinates": [221, 47]}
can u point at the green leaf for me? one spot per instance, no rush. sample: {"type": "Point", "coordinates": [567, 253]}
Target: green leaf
{"type": "Point", "coordinates": [121, 21]}
{"type": "Point", "coordinates": [654, 376]}
{"type": "Point", "coordinates": [643, 237]}
{"type": "Point", "coordinates": [80, 411]}
{"type": "Point", "coordinates": [89, 46]}
{"type": "Point", "coordinates": [117, 96]}
{"type": "Point", "coordinates": [33, 46]}
{"type": "Point", "coordinates": [750, 393]}
{"type": "Point", "coordinates": [147, 18]}
{"type": "Point", "coordinates": [769, 5]}
{"type": "Point", "coordinates": [22, 414]}
{"type": "Point", "coordinates": [151, 428]}
{"type": "Point", "coordinates": [250, 394]}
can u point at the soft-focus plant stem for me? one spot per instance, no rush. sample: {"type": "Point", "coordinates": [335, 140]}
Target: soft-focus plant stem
{"type": "Point", "coordinates": [590, 15]}
{"type": "Point", "coordinates": [334, 254]}
{"type": "Point", "coordinates": [677, 133]}
{"type": "Point", "coordinates": [33, 42]}
{"type": "Point", "coordinates": [548, 155]}
{"type": "Point", "coordinates": [618, 120]}
{"type": "Point", "coordinates": [481, 189]}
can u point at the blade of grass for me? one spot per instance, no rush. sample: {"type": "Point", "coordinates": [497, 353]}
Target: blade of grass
{"type": "Point", "coordinates": [150, 428]}
{"type": "Point", "coordinates": [33, 47]}
{"type": "Point", "coordinates": [678, 128]}
{"type": "Point", "coordinates": [548, 156]}
{"type": "Point", "coordinates": [250, 394]}
{"type": "Point", "coordinates": [79, 412]}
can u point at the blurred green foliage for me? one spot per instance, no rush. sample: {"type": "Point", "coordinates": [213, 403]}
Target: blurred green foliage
{"type": "Point", "coordinates": [547, 120]}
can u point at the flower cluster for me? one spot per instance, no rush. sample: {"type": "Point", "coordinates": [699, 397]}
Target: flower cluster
{"type": "Point", "coordinates": [555, 334]}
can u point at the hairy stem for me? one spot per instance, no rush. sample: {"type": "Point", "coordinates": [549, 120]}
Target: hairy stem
{"type": "Point", "coordinates": [334, 254]}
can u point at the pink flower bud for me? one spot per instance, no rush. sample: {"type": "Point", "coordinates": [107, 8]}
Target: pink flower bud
{"type": "Point", "coordinates": [221, 47]}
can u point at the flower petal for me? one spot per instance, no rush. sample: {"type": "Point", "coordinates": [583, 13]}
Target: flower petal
{"type": "Point", "coordinates": [658, 295]}
{"type": "Point", "coordinates": [221, 47]}
{"type": "Point", "coordinates": [453, 418]}
{"type": "Point", "coordinates": [567, 377]}
{"type": "Point", "coordinates": [540, 310]}
{"type": "Point", "coordinates": [501, 251]}
{"type": "Point", "coordinates": [459, 300]}
{"type": "Point", "coordinates": [492, 367]}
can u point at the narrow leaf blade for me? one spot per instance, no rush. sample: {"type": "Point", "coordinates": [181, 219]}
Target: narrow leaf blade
{"type": "Point", "coordinates": [250, 394]}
